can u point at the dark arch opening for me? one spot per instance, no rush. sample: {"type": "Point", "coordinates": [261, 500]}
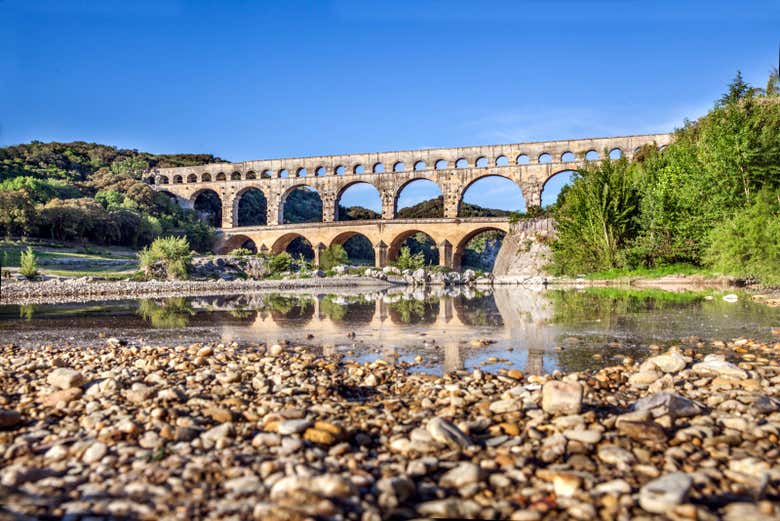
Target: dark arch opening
{"type": "Point", "coordinates": [206, 178]}
{"type": "Point", "coordinates": [301, 247]}
{"type": "Point", "coordinates": [301, 204]}
{"type": "Point", "coordinates": [177, 179]}
{"type": "Point", "coordinates": [192, 178]}
{"type": "Point", "coordinates": [251, 175]}
{"type": "Point", "coordinates": [491, 196]}
{"type": "Point", "coordinates": [358, 202]}
{"type": "Point", "coordinates": [416, 241]}
{"type": "Point", "coordinates": [221, 176]}
{"type": "Point", "coordinates": [419, 199]}
{"type": "Point", "coordinates": [478, 251]}
{"type": "Point", "coordinates": [252, 209]}
{"type": "Point", "coordinates": [359, 249]}
{"type": "Point", "coordinates": [238, 241]}
{"type": "Point", "coordinates": [208, 205]}
{"type": "Point", "coordinates": [235, 176]}
{"type": "Point", "coordinates": [555, 185]}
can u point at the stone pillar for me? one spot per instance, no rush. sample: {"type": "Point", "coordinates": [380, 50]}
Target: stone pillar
{"type": "Point", "coordinates": [227, 213]}
{"type": "Point", "coordinates": [445, 310]}
{"type": "Point", "coordinates": [318, 249]}
{"type": "Point", "coordinates": [380, 310]}
{"type": "Point", "coordinates": [445, 254]}
{"type": "Point", "coordinates": [451, 196]}
{"type": "Point", "coordinates": [329, 210]}
{"type": "Point", "coordinates": [380, 254]}
{"type": "Point", "coordinates": [453, 361]}
{"type": "Point", "coordinates": [532, 192]}
{"type": "Point", "coordinates": [388, 205]}
{"type": "Point", "coordinates": [535, 362]}
{"type": "Point", "coordinates": [272, 210]}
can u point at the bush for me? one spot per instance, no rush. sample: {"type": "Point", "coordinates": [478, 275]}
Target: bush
{"type": "Point", "coordinates": [281, 262]}
{"type": "Point", "coordinates": [173, 253]}
{"type": "Point", "coordinates": [407, 261]}
{"type": "Point", "coordinates": [240, 252]}
{"type": "Point", "coordinates": [332, 256]}
{"type": "Point", "coordinates": [28, 264]}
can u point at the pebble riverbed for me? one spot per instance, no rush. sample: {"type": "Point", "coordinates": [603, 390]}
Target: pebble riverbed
{"type": "Point", "coordinates": [125, 431]}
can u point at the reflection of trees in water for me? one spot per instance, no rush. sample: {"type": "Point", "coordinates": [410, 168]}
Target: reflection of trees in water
{"type": "Point", "coordinates": [167, 313]}
{"type": "Point", "coordinates": [479, 310]}
{"type": "Point", "coordinates": [27, 311]}
{"type": "Point", "coordinates": [353, 309]}
{"type": "Point", "coordinates": [241, 313]}
{"type": "Point", "coordinates": [414, 311]}
{"type": "Point", "coordinates": [290, 307]}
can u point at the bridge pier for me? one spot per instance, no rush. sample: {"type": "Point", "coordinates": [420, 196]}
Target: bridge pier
{"type": "Point", "coordinates": [445, 254]}
{"type": "Point", "coordinates": [380, 254]}
{"type": "Point", "coordinates": [318, 249]}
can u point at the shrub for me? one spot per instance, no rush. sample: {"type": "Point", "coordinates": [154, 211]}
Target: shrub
{"type": "Point", "coordinates": [173, 253]}
{"type": "Point", "coordinates": [407, 261]}
{"type": "Point", "coordinates": [281, 262]}
{"type": "Point", "coordinates": [332, 256]}
{"type": "Point", "coordinates": [28, 264]}
{"type": "Point", "coordinates": [240, 252]}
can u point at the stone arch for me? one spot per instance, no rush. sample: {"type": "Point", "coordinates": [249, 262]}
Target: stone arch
{"type": "Point", "coordinates": [394, 249]}
{"type": "Point", "coordinates": [266, 174]}
{"type": "Point", "coordinates": [237, 241]}
{"type": "Point", "coordinates": [340, 170]}
{"type": "Point", "coordinates": [481, 162]}
{"type": "Point", "coordinates": [616, 153]}
{"type": "Point", "coordinates": [441, 164]}
{"type": "Point", "coordinates": [345, 238]}
{"type": "Point", "coordinates": [462, 195]}
{"type": "Point", "coordinates": [591, 155]}
{"type": "Point", "coordinates": [177, 180]}
{"type": "Point", "coordinates": [399, 166]}
{"type": "Point", "coordinates": [221, 177]}
{"type": "Point", "coordinates": [568, 157]}
{"type": "Point", "coordinates": [522, 159]}
{"type": "Point", "coordinates": [544, 158]}
{"type": "Point", "coordinates": [284, 173]}
{"type": "Point", "coordinates": [553, 185]}
{"type": "Point", "coordinates": [208, 204]}
{"type": "Point", "coordinates": [205, 177]}
{"type": "Point", "coordinates": [403, 186]}
{"type": "Point", "coordinates": [420, 165]}
{"type": "Point", "coordinates": [235, 176]}
{"type": "Point", "coordinates": [460, 248]}
{"type": "Point", "coordinates": [502, 160]}
{"type": "Point", "coordinates": [358, 169]}
{"type": "Point", "coordinates": [283, 243]}
{"type": "Point", "coordinates": [250, 175]}
{"type": "Point", "coordinates": [286, 195]}
{"type": "Point", "coordinates": [461, 162]}
{"type": "Point", "coordinates": [150, 179]}
{"type": "Point", "coordinates": [192, 178]}
{"type": "Point", "coordinates": [163, 180]}
{"type": "Point", "coordinates": [301, 172]}
{"type": "Point", "coordinates": [378, 168]}
{"type": "Point", "coordinates": [320, 171]}
{"type": "Point", "coordinates": [243, 214]}
{"type": "Point", "coordinates": [353, 184]}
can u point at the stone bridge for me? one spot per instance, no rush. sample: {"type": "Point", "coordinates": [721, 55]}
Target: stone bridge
{"type": "Point", "coordinates": [454, 170]}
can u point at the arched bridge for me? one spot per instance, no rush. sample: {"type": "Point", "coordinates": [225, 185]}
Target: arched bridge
{"type": "Point", "coordinates": [454, 170]}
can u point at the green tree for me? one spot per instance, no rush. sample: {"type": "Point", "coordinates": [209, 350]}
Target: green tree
{"type": "Point", "coordinates": [28, 264]}
{"type": "Point", "coordinates": [17, 213]}
{"type": "Point", "coordinates": [173, 253]}
{"type": "Point", "coordinates": [332, 256]}
{"type": "Point", "coordinates": [409, 261]}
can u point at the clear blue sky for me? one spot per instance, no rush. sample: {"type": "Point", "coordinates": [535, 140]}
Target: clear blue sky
{"type": "Point", "coordinates": [250, 80]}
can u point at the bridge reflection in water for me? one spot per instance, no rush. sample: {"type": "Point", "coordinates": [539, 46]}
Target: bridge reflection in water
{"type": "Point", "coordinates": [444, 325]}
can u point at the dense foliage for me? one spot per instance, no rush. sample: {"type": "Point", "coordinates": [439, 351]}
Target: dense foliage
{"type": "Point", "coordinates": [172, 254]}
{"type": "Point", "coordinates": [88, 192]}
{"type": "Point", "coordinates": [711, 198]}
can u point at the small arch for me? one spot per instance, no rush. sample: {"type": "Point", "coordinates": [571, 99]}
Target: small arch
{"type": "Point", "coordinates": [284, 173]}
{"type": "Point", "coordinates": [205, 178]}
{"type": "Point", "coordinates": [163, 180]}
{"type": "Point", "coordinates": [481, 162]}
{"type": "Point", "coordinates": [359, 169]}
{"type": "Point", "coordinates": [554, 185]}
{"type": "Point", "coordinates": [399, 166]}
{"type": "Point", "coordinates": [300, 204]}
{"type": "Point", "coordinates": [461, 163]}
{"type": "Point", "coordinates": [615, 153]}
{"type": "Point", "coordinates": [502, 160]}
{"type": "Point", "coordinates": [177, 180]}
{"type": "Point", "coordinates": [237, 241]}
{"type": "Point", "coordinates": [378, 168]}
{"type": "Point", "coordinates": [295, 244]}
{"type": "Point", "coordinates": [441, 164]}
{"type": "Point", "coordinates": [250, 207]}
{"type": "Point", "coordinates": [320, 171]}
{"type": "Point", "coordinates": [591, 155]}
{"type": "Point", "coordinates": [250, 175]}
{"type": "Point", "coordinates": [301, 172]}
{"type": "Point", "coordinates": [359, 249]}
{"type": "Point", "coordinates": [340, 170]}
{"type": "Point", "coordinates": [235, 176]}
{"type": "Point", "coordinates": [420, 165]}
{"type": "Point", "coordinates": [545, 158]}
{"type": "Point", "coordinates": [568, 157]}
{"type": "Point", "coordinates": [491, 196]}
{"type": "Point", "coordinates": [221, 176]}
{"type": "Point", "coordinates": [266, 174]}
{"type": "Point", "coordinates": [522, 159]}
{"type": "Point", "coordinates": [150, 179]}
{"type": "Point", "coordinates": [481, 256]}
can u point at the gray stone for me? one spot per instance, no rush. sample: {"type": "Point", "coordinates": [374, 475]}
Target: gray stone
{"type": "Point", "coordinates": [445, 432]}
{"type": "Point", "coordinates": [562, 397]}
{"type": "Point", "coordinates": [716, 365]}
{"type": "Point", "coordinates": [662, 494]}
{"type": "Point", "coordinates": [666, 403]}
{"type": "Point", "coordinates": [65, 378]}
{"type": "Point", "coordinates": [458, 477]}
{"type": "Point", "coordinates": [294, 426]}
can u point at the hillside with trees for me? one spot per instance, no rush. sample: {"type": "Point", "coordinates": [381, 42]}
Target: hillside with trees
{"type": "Point", "coordinates": [710, 200]}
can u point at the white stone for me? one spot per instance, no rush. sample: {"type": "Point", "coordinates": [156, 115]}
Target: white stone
{"type": "Point", "coordinates": [661, 495]}
{"type": "Point", "coordinates": [65, 378]}
{"type": "Point", "coordinates": [94, 453]}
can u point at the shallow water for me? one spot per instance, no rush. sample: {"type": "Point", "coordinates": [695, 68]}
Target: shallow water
{"type": "Point", "coordinates": [532, 330]}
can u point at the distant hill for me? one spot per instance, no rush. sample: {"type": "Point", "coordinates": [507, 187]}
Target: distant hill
{"type": "Point", "coordinates": [435, 208]}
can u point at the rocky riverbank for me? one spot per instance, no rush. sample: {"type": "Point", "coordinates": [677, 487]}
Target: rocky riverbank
{"type": "Point", "coordinates": [281, 432]}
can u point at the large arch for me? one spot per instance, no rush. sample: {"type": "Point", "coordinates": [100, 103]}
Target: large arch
{"type": "Point", "coordinates": [499, 196]}
{"type": "Point", "coordinates": [459, 251]}
{"type": "Point", "coordinates": [250, 207]}
{"type": "Point", "coordinates": [283, 243]}
{"type": "Point", "coordinates": [358, 247]}
{"type": "Point", "coordinates": [361, 201]}
{"type": "Point", "coordinates": [237, 241]}
{"type": "Point", "coordinates": [300, 204]}
{"type": "Point", "coordinates": [553, 185]}
{"type": "Point", "coordinates": [430, 246]}
{"type": "Point", "coordinates": [428, 191]}
{"type": "Point", "coordinates": [207, 203]}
